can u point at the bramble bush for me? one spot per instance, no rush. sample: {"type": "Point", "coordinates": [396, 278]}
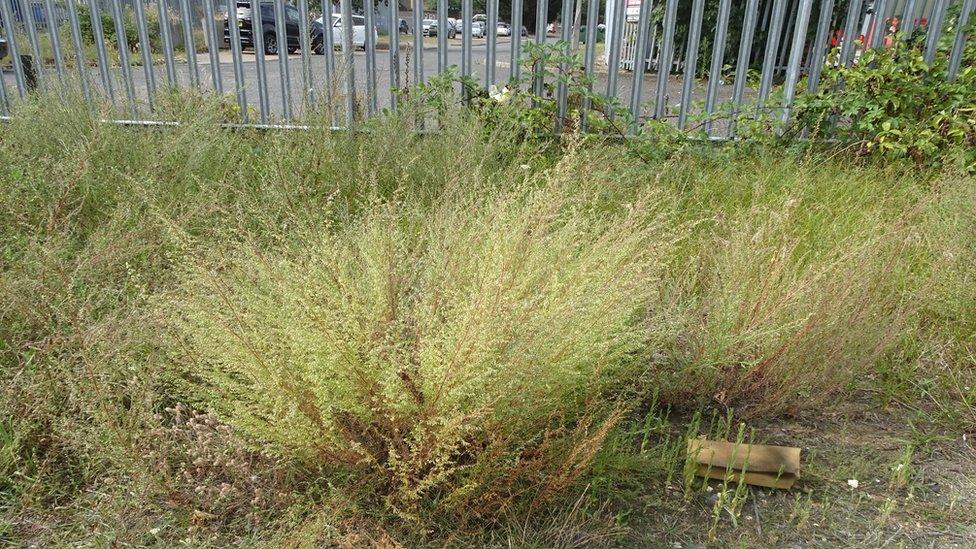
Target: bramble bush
{"type": "Point", "coordinates": [895, 105]}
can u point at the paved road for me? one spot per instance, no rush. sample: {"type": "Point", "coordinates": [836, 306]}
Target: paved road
{"type": "Point", "coordinates": [299, 99]}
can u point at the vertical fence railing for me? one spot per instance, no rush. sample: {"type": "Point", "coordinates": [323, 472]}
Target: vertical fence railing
{"type": "Point", "coordinates": [126, 67]}
{"type": "Point", "coordinates": [731, 57]}
{"type": "Point", "coordinates": [234, 35]}
{"type": "Point", "coordinates": [213, 52]}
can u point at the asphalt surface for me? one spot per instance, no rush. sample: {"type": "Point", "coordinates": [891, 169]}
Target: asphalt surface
{"type": "Point", "coordinates": [300, 94]}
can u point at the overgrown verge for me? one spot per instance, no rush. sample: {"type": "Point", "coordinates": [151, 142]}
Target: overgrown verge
{"type": "Point", "coordinates": [409, 338]}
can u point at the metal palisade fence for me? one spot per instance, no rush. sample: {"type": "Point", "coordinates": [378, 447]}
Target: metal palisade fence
{"type": "Point", "coordinates": [672, 60]}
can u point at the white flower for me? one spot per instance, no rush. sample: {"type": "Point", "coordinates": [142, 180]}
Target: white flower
{"type": "Point", "coordinates": [154, 531]}
{"type": "Point", "coordinates": [499, 95]}
{"type": "Point", "coordinates": [853, 483]}
{"type": "Point", "coordinates": [525, 166]}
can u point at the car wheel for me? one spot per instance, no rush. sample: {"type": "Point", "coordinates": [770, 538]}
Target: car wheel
{"type": "Point", "coordinates": [270, 44]}
{"type": "Point", "coordinates": [318, 47]}
{"type": "Point", "coordinates": [292, 50]}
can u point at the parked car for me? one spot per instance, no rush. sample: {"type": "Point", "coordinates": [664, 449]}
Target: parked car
{"type": "Point", "coordinates": [430, 28]}
{"type": "Point", "coordinates": [3, 48]}
{"type": "Point", "coordinates": [403, 27]}
{"type": "Point", "coordinates": [358, 33]}
{"type": "Point", "coordinates": [268, 22]}
{"type": "Point", "coordinates": [503, 29]}
{"type": "Point", "coordinates": [478, 29]}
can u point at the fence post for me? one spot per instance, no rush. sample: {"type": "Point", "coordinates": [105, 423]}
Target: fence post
{"type": "Point", "coordinates": [934, 30]}
{"type": "Point", "coordinates": [742, 64]}
{"type": "Point", "coordinates": [796, 57]}
{"type": "Point", "coordinates": [769, 57]}
{"type": "Point", "coordinates": [13, 48]}
{"type": "Point", "coordinates": [664, 62]}
{"type": "Point", "coordinates": [27, 11]}
{"type": "Point", "coordinates": [345, 8]}
{"type": "Point", "coordinates": [718, 57]}
{"type": "Point", "coordinates": [691, 61]}
{"type": "Point", "coordinates": [817, 55]}
{"type": "Point", "coordinates": [959, 44]}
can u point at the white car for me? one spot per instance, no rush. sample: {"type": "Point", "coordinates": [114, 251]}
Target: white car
{"type": "Point", "coordinates": [503, 29]}
{"type": "Point", "coordinates": [358, 32]}
{"type": "Point", "coordinates": [478, 29]}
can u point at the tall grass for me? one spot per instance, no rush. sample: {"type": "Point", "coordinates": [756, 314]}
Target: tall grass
{"type": "Point", "coordinates": [450, 322]}
{"type": "Point", "coordinates": [795, 283]}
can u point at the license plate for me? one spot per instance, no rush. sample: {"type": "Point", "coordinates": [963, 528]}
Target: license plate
{"type": "Point", "coordinates": [240, 23]}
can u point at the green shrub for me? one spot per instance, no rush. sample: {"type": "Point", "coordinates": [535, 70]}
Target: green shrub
{"type": "Point", "coordinates": [450, 358]}
{"type": "Point", "coordinates": [108, 27]}
{"type": "Point", "coordinates": [896, 105]}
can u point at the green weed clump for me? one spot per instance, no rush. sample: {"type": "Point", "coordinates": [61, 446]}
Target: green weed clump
{"type": "Point", "coordinates": [798, 285]}
{"type": "Point", "coordinates": [451, 358]}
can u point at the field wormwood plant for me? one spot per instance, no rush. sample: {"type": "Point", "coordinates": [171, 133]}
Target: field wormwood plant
{"type": "Point", "coordinates": [454, 358]}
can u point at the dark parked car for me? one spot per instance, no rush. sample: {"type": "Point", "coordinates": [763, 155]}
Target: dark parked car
{"type": "Point", "coordinates": [430, 28]}
{"type": "Point", "coordinates": [3, 48]}
{"type": "Point", "coordinates": [268, 22]}
{"type": "Point", "coordinates": [404, 28]}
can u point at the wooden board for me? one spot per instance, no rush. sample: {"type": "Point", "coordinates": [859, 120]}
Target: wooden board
{"type": "Point", "coordinates": [757, 464]}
